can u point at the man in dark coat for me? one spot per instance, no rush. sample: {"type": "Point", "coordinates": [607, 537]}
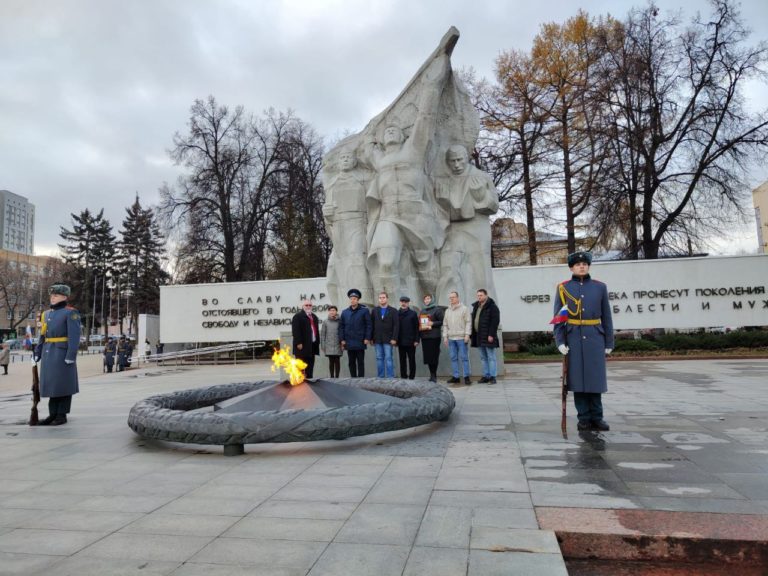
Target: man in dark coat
{"type": "Point", "coordinates": [305, 328]}
{"type": "Point", "coordinates": [385, 323]}
{"type": "Point", "coordinates": [584, 331]}
{"type": "Point", "coordinates": [485, 326]}
{"type": "Point", "coordinates": [408, 338]}
{"type": "Point", "coordinates": [109, 354]}
{"type": "Point", "coordinates": [57, 350]}
{"type": "Point", "coordinates": [355, 332]}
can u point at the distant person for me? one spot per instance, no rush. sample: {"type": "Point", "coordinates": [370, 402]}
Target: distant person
{"type": "Point", "coordinates": [457, 329]}
{"type": "Point", "coordinates": [110, 349]}
{"type": "Point", "coordinates": [330, 342]}
{"type": "Point", "coordinates": [430, 327]}
{"type": "Point", "coordinates": [57, 350]}
{"type": "Point", "coordinates": [147, 348]}
{"type": "Point", "coordinates": [124, 350]}
{"type": "Point", "coordinates": [386, 323]}
{"type": "Point", "coordinates": [485, 326]}
{"type": "Point", "coordinates": [584, 332]}
{"type": "Point", "coordinates": [5, 358]}
{"type": "Point", "coordinates": [305, 329]}
{"type": "Point", "coordinates": [355, 333]}
{"type": "Point", "coordinates": [408, 338]}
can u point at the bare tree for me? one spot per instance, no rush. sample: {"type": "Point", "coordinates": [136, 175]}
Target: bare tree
{"type": "Point", "coordinates": [24, 287]}
{"type": "Point", "coordinates": [235, 186]}
{"type": "Point", "coordinates": [679, 129]}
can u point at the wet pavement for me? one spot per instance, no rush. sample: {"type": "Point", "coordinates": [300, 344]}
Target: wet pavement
{"type": "Point", "coordinates": [495, 490]}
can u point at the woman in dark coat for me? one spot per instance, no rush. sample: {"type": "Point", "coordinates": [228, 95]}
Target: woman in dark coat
{"type": "Point", "coordinates": [57, 350]}
{"type": "Point", "coordinates": [584, 332]}
{"type": "Point", "coordinates": [430, 327]}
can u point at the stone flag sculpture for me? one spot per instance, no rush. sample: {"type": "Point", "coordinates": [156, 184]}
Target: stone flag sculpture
{"type": "Point", "coordinates": [406, 211]}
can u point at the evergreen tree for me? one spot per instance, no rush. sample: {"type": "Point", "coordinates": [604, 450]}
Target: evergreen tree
{"type": "Point", "coordinates": [88, 251]}
{"type": "Point", "coordinates": [141, 251]}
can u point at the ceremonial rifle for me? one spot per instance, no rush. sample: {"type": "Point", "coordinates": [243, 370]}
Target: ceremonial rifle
{"type": "Point", "coordinates": [564, 394]}
{"type": "Point", "coordinates": [33, 417]}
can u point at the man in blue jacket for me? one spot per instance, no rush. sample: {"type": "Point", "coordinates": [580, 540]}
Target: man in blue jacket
{"type": "Point", "coordinates": [355, 333]}
{"type": "Point", "coordinates": [57, 350]}
{"type": "Point", "coordinates": [584, 331]}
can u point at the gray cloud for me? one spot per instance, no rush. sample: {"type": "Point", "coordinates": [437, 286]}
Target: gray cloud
{"type": "Point", "coordinates": [92, 91]}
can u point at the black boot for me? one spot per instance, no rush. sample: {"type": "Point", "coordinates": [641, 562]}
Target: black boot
{"type": "Point", "coordinates": [583, 426]}
{"type": "Point", "coordinates": [601, 425]}
{"type": "Point", "coordinates": [59, 420]}
{"type": "Point", "coordinates": [467, 380]}
{"type": "Point", "coordinates": [47, 420]}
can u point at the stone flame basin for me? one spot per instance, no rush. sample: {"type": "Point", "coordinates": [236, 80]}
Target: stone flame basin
{"type": "Point", "coordinates": [268, 411]}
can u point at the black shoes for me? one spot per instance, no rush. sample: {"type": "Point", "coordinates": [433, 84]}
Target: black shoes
{"type": "Point", "coordinates": [59, 420]}
{"type": "Point", "coordinates": [599, 425]}
{"type": "Point", "coordinates": [484, 380]}
{"type": "Point", "coordinates": [46, 421]}
{"type": "Point", "coordinates": [432, 379]}
{"type": "Point", "coordinates": [492, 380]}
{"type": "Point", "coordinates": [467, 381]}
{"type": "Point", "coordinates": [453, 380]}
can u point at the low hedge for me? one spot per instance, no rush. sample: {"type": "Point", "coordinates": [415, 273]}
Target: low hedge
{"type": "Point", "coordinates": [635, 346]}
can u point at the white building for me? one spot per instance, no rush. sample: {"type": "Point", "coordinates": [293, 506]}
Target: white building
{"type": "Point", "coordinates": [17, 223]}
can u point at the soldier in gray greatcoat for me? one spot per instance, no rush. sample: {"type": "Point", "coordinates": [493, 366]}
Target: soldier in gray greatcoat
{"type": "Point", "coordinates": [57, 350]}
{"type": "Point", "coordinates": [584, 331]}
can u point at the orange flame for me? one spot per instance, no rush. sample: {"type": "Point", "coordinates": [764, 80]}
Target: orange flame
{"type": "Point", "coordinates": [282, 358]}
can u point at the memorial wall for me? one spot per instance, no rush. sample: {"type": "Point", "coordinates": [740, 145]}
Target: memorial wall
{"type": "Point", "coordinates": [671, 293]}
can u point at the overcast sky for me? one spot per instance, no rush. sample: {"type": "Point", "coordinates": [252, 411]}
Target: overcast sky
{"type": "Point", "coordinates": [92, 91]}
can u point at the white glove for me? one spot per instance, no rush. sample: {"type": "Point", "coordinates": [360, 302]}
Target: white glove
{"type": "Point", "coordinates": [563, 349]}
{"type": "Point", "coordinates": [36, 359]}
{"type": "Point", "coordinates": [608, 351]}
{"type": "Point", "coordinates": [69, 361]}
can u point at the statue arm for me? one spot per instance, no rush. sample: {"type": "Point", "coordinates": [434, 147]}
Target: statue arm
{"type": "Point", "coordinates": [432, 87]}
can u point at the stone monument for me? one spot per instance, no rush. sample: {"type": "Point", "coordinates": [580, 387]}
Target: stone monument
{"type": "Point", "coordinates": [406, 212]}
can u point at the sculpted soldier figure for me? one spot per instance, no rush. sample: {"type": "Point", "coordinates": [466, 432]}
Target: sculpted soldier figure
{"type": "Point", "coordinates": [403, 231]}
{"type": "Point", "coordinates": [57, 350]}
{"type": "Point", "coordinates": [584, 332]}
{"type": "Point", "coordinates": [467, 196]}
{"type": "Point", "coordinates": [347, 219]}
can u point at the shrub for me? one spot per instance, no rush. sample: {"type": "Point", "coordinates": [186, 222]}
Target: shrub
{"type": "Point", "coordinates": [545, 350]}
{"type": "Point", "coordinates": [635, 345]}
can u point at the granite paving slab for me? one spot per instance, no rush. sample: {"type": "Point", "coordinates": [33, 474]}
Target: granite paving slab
{"type": "Point", "coordinates": [458, 497]}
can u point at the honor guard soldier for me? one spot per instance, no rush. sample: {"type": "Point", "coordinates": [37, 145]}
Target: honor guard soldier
{"type": "Point", "coordinates": [584, 332]}
{"type": "Point", "coordinates": [57, 350]}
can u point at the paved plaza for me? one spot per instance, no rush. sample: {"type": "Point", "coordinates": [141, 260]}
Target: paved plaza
{"type": "Point", "coordinates": [467, 496]}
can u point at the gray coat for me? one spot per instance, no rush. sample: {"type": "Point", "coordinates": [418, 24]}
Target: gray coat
{"type": "Point", "coordinates": [587, 343]}
{"type": "Point", "coordinates": [330, 343]}
{"type": "Point", "coordinates": [57, 378]}
{"type": "Point", "coordinates": [5, 356]}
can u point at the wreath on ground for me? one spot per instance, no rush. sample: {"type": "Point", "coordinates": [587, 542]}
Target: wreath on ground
{"type": "Point", "coordinates": [177, 416]}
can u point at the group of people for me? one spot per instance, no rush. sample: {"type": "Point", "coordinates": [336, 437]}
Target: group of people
{"type": "Point", "coordinates": [122, 349]}
{"type": "Point", "coordinates": [385, 328]}
{"type": "Point", "coordinates": [583, 331]}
